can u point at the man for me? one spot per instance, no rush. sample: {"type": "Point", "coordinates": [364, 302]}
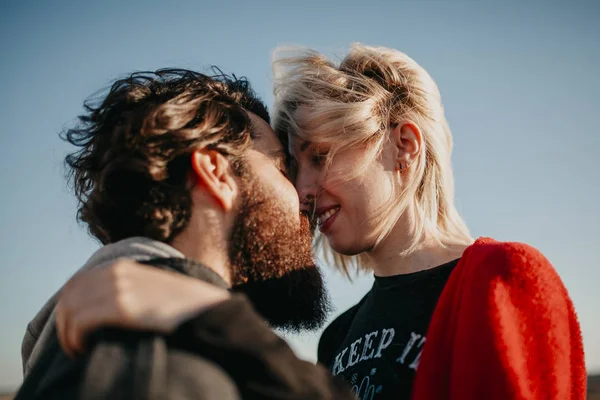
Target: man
{"type": "Point", "coordinates": [181, 171]}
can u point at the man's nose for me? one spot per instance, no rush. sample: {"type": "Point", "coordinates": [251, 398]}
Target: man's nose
{"type": "Point", "coordinates": [306, 186]}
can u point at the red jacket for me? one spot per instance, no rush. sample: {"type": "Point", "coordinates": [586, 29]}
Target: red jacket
{"type": "Point", "coordinates": [504, 328]}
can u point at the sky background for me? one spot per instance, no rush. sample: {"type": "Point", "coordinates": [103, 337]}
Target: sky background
{"type": "Point", "coordinates": [520, 83]}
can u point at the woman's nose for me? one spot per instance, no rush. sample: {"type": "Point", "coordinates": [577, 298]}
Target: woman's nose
{"type": "Point", "coordinates": [306, 186]}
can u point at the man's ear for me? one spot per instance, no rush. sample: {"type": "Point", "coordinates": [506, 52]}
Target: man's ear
{"type": "Point", "coordinates": [213, 171]}
{"type": "Point", "coordinates": [407, 139]}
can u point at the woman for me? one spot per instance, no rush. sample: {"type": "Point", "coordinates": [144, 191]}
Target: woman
{"type": "Point", "coordinates": [372, 147]}
{"type": "Point", "coordinates": [371, 157]}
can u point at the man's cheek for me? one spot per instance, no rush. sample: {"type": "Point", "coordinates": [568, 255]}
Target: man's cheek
{"type": "Point", "coordinates": [288, 198]}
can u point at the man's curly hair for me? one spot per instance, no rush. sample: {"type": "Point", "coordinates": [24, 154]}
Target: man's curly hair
{"type": "Point", "coordinates": [135, 144]}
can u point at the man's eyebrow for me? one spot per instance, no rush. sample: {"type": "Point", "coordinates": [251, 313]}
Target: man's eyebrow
{"type": "Point", "coordinates": [278, 155]}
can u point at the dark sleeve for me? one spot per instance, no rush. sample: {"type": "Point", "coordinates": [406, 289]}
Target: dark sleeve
{"type": "Point", "coordinates": [34, 331]}
{"type": "Point", "coordinates": [263, 366]}
{"type": "Point", "coordinates": [140, 366]}
{"type": "Point", "coordinates": [53, 377]}
{"type": "Point", "coordinates": [126, 365]}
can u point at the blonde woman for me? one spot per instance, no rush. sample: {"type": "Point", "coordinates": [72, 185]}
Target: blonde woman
{"type": "Point", "coordinates": [448, 317]}
{"type": "Point", "coordinates": [370, 149]}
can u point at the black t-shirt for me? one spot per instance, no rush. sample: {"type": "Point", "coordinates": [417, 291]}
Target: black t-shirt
{"type": "Point", "coordinates": [376, 345]}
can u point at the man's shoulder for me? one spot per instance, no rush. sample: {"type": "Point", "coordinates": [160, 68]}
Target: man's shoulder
{"type": "Point", "coordinates": [123, 364]}
{"type": "Point", "coordinates": [53, 376]}
{"type": "Point", "coordinates": [152, 368]}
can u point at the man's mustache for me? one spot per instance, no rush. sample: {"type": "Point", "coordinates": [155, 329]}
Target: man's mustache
{"type": "Point", "coordinates": [309, 218]}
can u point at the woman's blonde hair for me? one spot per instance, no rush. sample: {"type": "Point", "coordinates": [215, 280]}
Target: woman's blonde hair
{"type": "Point", "coordinates": [356, 103]}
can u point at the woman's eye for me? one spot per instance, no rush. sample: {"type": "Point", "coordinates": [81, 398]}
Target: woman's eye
{"type": "Point", "coordinates": [318, 159]}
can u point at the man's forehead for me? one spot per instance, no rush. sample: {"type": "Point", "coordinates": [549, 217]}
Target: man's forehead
{"type": "Point", "coordinates": [265, 138]}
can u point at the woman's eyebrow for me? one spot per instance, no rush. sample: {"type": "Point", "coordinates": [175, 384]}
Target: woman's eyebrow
{"type": "Point", "coordinates": [304, 145]}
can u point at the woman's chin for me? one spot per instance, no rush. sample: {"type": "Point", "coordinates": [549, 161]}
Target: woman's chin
{"type": "Point", "coordinates": [344, 249]}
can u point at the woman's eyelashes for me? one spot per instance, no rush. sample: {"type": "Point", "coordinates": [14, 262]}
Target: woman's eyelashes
{"type": "Point", "coordinates": [318, 158]}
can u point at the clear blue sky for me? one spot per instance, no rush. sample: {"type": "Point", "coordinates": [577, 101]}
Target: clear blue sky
{"type": "Point", "coordinates": [520, 83]}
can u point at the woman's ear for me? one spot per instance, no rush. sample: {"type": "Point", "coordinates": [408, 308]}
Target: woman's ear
{"type": "Point", "coordinates": [406, 137]}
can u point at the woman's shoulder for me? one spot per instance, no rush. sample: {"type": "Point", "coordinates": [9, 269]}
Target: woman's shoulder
{"type": "Point", "coordinates": [489, 246]}
{"type": "Point", "coordinates": [512, 263]}
{"type": "Point", "coordinates": [342, 322]}
{"type": "Point", "coordinates": [335, 332]}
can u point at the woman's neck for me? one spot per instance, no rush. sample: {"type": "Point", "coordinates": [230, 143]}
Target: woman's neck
{"type": "Point", "coordinates": [386, 258]}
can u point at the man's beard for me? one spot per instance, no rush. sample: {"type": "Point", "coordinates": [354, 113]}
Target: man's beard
{"type": "Point", "coordinates": [272, 262]}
